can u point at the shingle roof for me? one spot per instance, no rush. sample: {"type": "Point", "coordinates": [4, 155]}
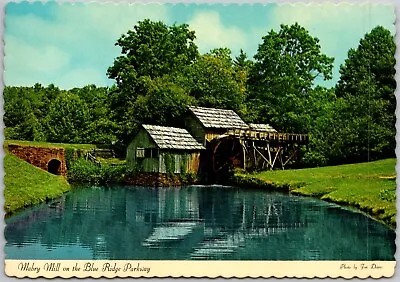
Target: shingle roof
{"type": "Point", "coordinates": [172, 138]}
{"type": "Point", "coordinates": [262, 127]}
{"type": "Point", "coordinates": [218, 118]}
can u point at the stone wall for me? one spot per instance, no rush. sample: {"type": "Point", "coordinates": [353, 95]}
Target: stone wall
{"type": "Point", "coordinates": [40, 156]}
{"type": "Point", "coordinates": [154, 180]}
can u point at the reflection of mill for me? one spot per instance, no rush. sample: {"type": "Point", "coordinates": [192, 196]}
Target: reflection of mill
{"type": "Point", "coordinates": [257, 223]}
{"type": "Point", "coordinates": [171, 223]}
{"type": "Point", "coordinates": [183, 225]}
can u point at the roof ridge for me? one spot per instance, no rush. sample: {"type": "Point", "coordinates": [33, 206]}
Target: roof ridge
{"type": "Point", "coordinates": [218, 118]}
{"type": "Point", "coordinates": [172, 137]}
{"type": "Point", "coordinates": [162, 126]}
{"type": "Point", "coordinates": [208, 108]}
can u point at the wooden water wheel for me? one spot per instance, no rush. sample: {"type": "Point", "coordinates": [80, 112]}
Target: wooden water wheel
{"type": "Point", "coordinates": [227, 153]}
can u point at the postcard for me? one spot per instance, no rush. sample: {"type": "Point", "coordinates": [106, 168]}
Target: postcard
{"type": "Point", "coordinates": [199, 140]}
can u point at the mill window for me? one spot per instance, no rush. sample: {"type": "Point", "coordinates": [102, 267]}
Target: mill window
{"type": "Point", "coordinates": [140, 152]}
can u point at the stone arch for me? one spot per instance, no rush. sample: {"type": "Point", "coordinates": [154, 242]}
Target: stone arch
{"type": "Point", "coordinates": [54, 166]}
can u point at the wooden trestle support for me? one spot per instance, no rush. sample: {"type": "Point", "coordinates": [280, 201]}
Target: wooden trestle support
{"type": "Point", "coordinates": [256, 150]}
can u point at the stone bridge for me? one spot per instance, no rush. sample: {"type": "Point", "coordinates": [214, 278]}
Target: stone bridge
{"type": "Point", "coordinates": [48, 159]}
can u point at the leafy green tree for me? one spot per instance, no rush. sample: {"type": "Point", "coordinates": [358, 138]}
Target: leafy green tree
{"type": "Point", "coordinates": [165, 102]}
{"type": "Point", "coordinates": [372, 61]}
{"type": "Point", "coordinates": [101, 127]}
{"type": "Point", "coordinates": [367, 86]}
{"type": "Point", "coordinates": [213, 81]}
{"type": "Point", "coordinates": [152, 49]}
{"type": "Point", "coordinates": [242, 66]}
{"type": "Point", "coordinates": [67, 119]}
{"type": "Point", "coordinates": [287, 63]}
{"type": "Point", "coordinates": [149, 51]}
{"type": "Point", "coordinates": [242, 62]}
{"type": "Point", "coordinates": [25, 109]}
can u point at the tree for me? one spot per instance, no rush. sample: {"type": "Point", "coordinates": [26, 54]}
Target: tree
{"type": "Point", "coordinates": [149, 51]}
{"type": "Point", "coordinates": [367, 86]}
{"type": "Point", "coordinates": [286, 66]}
{"type": "Point", "coordinates": [165, 102]}
{"type": "Point", "coordinates": [67, 119]}
{"type": "Point", "coordinates": [152, 49]}
{"type": "Point", "coordinates": [213, 81]}
{"type": "Point", "coordinates": [373, 61]}
{"type": "Point", "coordinates": [101, 127]}
{"type": "Point", "coordinates": [25, 111]}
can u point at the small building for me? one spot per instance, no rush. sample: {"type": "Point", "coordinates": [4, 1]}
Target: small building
{"type": "Point", "coordinates": [205, 124]}
{"type": "Point", "coordinates": [160, 149]}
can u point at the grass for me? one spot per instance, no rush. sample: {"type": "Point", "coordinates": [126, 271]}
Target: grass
{"type": "Point", "coordinates": [27, 185]}
{"type": "Point", "coordinates": [49, 145]}
{"type": "Point", "coordinates": [369, 187]}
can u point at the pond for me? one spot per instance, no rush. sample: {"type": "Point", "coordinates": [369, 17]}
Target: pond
{"type": "Point", "coordinates": [195, 222]}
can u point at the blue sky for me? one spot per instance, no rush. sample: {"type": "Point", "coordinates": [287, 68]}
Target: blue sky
{"type": "Point", "coordinates": [72, 45]}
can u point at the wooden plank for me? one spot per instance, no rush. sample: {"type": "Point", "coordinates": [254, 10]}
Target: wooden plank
{"type": "Point", "coordinates": [277, 153]}
{"type": "Point", "coordinates": [263, 157]}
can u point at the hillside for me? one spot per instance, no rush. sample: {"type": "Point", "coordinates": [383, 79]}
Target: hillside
{"type": "Point", "coordinates": [27, 185]}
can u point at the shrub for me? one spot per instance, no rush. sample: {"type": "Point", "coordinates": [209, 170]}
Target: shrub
{"type": "Point", "coordinates": [113, 174]}
{"type": "Point", "coordinates": [86, 171]}
{"type": "Point", "coordinates": [69, 157]}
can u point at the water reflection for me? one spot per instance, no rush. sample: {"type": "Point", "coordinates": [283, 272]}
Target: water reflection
{"type": "Point", "coordinates": [193, 223]}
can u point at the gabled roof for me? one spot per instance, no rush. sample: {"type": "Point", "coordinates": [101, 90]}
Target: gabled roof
{"type": "Point", "coordinates": [262, 127]}
{"type": "Point", "coordinates": [172, 138]}
{"type": "Point", "coordinates": [218, 118]}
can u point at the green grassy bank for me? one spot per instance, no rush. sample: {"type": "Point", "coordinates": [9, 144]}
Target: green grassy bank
{"type": "Point", "coordinates": [27, 185]}
{"type": "Point", "coordinates": [369, 187]}
{"type": "Point", "coordinates": [49, 145]}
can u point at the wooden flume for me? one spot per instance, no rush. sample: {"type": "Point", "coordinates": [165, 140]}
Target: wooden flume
{"type": "Point", "coordinates": [259, 150]}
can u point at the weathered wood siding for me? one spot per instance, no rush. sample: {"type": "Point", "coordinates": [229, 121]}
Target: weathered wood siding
{"type": "Point", "coordinates": [193, 163]}
{"type": "Point", "coordinates": [141, 140]}
{"type": "Point", "coordinates": [179, 162]}
{"type": "Point", "coordinates": [195, 128]}
{"type": "Point", "coordinates": [213, 133]}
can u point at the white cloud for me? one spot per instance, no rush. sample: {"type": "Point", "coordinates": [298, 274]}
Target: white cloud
{"type": "Point", "coordinates": [338, 26]}
{"type": "Point", "coordinates": [47, 58]}
{"type": "Point", "coordinates": [211, 33]}
{"type": "Point", "coordinates": [31, 63]}
{"type": "Point", "coordinates": [81, 77]}
{"type": "Point", "coordinates": [77, 38]}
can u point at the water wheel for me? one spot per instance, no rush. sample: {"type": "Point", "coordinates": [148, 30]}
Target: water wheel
{"type": "Point", "coordinates": [227, 154]}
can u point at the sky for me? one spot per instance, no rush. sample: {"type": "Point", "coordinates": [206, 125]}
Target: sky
{"type": "Point", "coordinates": [72, 44]}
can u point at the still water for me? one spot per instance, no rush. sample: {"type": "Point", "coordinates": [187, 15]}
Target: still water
{"type": "Point", "coordinates": [196, 222]}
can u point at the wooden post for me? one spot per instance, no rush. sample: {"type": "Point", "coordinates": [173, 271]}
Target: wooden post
{"type": "Point", "coordinates": [262, 156]}
{"type": "Point", "coordinates": [269, 155]}
{"type": "Point", "coordinates": [244, 154]}
{"type": "Point", "coordinates": [277, 153]}
{"type": "Point", "coordinates": [254, 154]}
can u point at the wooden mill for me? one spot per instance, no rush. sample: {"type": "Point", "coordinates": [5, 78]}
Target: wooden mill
{"type": "Point", "coordinates": [231, 143]}
{"type": "Point", "coordinates": [212, 143]}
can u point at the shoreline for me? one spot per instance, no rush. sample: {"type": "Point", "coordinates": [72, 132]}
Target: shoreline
{"type": "Point", "coordinates": [368, 188]}
{"type": "Point", "coordinates": [27, 186]}
{"type": "Point", "coordinates": [244, 182]}
{"type": "Point", "coordinates": [247, 181]}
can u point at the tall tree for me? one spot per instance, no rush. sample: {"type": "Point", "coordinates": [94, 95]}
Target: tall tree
{"type": "Point", "coordinates": [367, 86]}
{"type": "Point", "coordinates": [149, 51]}
{"type": "Point", "coordinates": [213, 82]}
{"type": "Point", "coordinates": [286, 66]}
{"type": "Point", "coordinates": [373, 61]}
